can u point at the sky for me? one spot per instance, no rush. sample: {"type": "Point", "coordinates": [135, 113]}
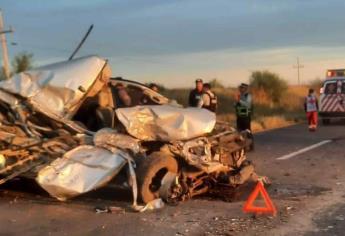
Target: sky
{"type": "Point", "coordinates": [172, 42]}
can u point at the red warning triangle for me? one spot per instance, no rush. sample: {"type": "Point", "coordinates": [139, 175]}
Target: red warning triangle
{"type": "Point", "coordinates": [268, 209]}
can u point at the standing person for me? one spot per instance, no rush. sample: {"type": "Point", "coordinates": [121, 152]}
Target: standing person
{"type": "Point", "coordinates": [208, 99]}
{"type": "Point", "coordinates": [311, 108]}
{"type": "Point", "coordinates": [244, 108]}
{"type": "Point", "coordinates": [196, 94]}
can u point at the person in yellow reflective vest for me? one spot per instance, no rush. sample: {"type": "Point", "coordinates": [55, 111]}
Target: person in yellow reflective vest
{"type": "Point", "coordinates": [244, 109]}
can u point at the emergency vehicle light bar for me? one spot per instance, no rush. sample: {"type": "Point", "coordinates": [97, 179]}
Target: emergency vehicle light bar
{"type": "Point", "coordinates": [335, 73]}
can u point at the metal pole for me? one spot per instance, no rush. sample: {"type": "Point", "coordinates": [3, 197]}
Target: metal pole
{"type": "Point", "coordinates": [5, 60]}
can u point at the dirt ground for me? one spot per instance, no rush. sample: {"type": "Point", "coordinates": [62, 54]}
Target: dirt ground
{"type": "Point", "coordinates": [308, 191]}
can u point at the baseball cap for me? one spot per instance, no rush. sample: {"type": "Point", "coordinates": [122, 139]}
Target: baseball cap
{"type": "Point", "coordinates": [198, 81]}
{"type": "Point", "coordinates": [243, 85]}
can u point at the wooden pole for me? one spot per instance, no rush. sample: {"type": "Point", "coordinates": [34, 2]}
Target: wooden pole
{"type": "Point", "coordinates": [5, 60]}
{"type": "Point", "coordinates": [298, 67]}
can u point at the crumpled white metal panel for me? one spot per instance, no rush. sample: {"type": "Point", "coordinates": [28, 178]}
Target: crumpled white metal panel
{"type": "Point", "coordinates": [56, 87]}
{"type": "Point", "coordinates": [165, 122]}
{"type": "Point", "coordinates": [80, 170]}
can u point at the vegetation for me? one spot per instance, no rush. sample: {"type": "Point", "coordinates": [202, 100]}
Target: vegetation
{"type": "Point", "coordinates": [2, 74]}
{"type": "Point", "coordinates": [316, 84]}
{"type": "Point", "coordinates": [275, 103]}
{"type": "Point", "coordinates": [268, 83]}
{"type": "Point", "coordinates": [21, 62]}
{"type": "Point", "coordinates": [215, 83]}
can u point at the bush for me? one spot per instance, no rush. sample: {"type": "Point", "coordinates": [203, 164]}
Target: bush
{"type": "Point", "coordinates": [272, 84]}
{"type": "Point", "coordinates": [159, 86]}
{"type": "Point", "coordinates": [215, 83]}
{"type": "Point", "coordinates": [180, 95]}
{"type": "Point", "coordinates": [22, 62]}
{"type": "Point", "coordinates": [316, 84]}
{"type": "Point", "coordinates": [2, 74]}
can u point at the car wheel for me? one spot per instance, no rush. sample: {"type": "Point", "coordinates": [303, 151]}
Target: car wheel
{"type": "Point", "coordinates": [155, 175]}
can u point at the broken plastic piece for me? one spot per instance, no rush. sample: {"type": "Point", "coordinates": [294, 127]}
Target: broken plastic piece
{"type": "Point", "coordinates": [153, 205]}
{"type": "Point", "coordinates": [102, 210]}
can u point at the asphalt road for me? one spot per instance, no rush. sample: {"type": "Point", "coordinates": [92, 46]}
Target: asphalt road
{"type": "Point", "coordinates": [307, 189]}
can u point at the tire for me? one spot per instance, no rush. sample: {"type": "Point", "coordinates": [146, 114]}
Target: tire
{"type": "Point", "coordinates": [325, 121]}
{"type": "Point", "coordinates": [151, 171]}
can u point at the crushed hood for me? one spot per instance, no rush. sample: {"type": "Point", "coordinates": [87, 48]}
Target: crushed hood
{"type": "Point", "coordinates": [57, 88]}
{"type": "Point", "coordinates": [165, 122]}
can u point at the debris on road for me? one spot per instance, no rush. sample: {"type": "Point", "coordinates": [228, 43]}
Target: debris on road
{"type": "Point", "coordinates": [110, 209]}
{"type": "Point", "coordinates": [153, 205]}
{"type": "Point", "coordinates": [102, 210]}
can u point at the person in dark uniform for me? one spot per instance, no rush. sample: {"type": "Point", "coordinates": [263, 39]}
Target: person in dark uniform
{"type": "Point", "coordinates": [196, 94]}
{"type": "Point", "coordinates": [208, 100]}
{"type": "Point", "coordinates": [244, 109]}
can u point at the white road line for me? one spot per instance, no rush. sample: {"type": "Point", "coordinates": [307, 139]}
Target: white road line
{"type": "Point", "coordinates": [303, 150]}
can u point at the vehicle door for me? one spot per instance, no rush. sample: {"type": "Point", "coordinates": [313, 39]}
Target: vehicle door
{"type": "Point", "coordinates": [333, 96]}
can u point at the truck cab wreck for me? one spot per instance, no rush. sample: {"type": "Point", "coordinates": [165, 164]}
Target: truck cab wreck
{"type": "Point", "coordinates": [65, 126]}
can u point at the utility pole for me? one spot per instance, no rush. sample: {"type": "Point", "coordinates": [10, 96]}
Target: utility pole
{"type": "Point", "coordinates": [298, 66]}
{"type": "Point", "coordinates": [5, 60]}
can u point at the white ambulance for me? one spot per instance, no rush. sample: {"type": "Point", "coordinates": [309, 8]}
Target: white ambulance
{"type": "Point", "coordinates": [332, 95]}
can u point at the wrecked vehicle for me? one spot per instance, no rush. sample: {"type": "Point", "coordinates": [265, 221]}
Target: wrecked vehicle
{"type": "Point", "coordinates": [64, 126]}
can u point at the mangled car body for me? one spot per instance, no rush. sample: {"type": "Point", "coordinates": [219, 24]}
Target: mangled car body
{"type": "Point", "coordinates": [62, 125]}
